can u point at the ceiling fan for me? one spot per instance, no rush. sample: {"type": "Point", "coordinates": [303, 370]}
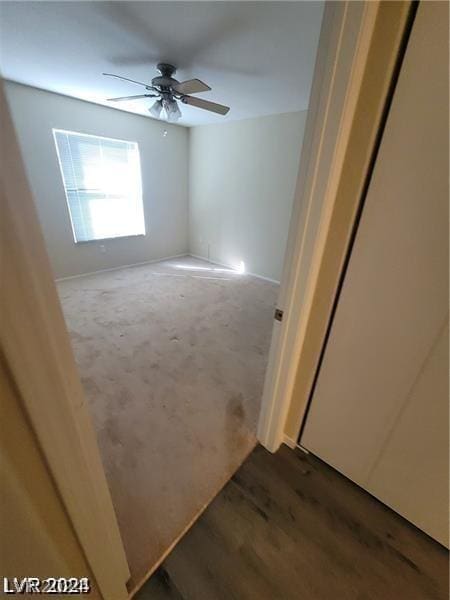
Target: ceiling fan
{"type": "Point", "coordinates": [168, 90]}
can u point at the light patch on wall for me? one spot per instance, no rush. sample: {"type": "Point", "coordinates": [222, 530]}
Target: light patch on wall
{"type": "Point", "coordinates": [241, 267]}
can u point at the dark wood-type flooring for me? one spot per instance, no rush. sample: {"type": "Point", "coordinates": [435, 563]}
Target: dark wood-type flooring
{"type": "Point", "coordinates": [287, 526]}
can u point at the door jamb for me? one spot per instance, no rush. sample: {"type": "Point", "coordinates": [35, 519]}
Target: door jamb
{"type": "Point", "coordinates": [35, 345]}
{"type": "Point", "coordinates": [354, 45]}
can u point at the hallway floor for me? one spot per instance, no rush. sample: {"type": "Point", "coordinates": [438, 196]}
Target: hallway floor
{"type": "Point", "coordinates": [172, 356]}
{"type": "Point", "coordinates": [289, 527]}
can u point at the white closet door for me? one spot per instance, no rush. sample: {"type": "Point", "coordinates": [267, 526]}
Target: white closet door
{"type": "Point", "coordinates": [411, 472]}
{"type": "Point", "coordinates": [384, 369]}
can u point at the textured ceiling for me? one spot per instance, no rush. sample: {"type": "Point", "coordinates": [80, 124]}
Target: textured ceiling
{"type": "Point", "coordinates": [258, 57]}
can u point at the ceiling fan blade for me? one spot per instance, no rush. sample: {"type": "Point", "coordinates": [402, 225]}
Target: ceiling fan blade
{"type": "Point", "coordinates": [149, 87]}
{"type": "Point", "coordinates": [220, 109]}
{"type": "Point", "coordinates": [131, 97]}
{"type": "Point", "coordinates": [191, 86]}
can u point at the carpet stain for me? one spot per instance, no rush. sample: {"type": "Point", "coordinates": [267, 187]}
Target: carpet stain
{"type": "Point", "coordinates": [235, 408]}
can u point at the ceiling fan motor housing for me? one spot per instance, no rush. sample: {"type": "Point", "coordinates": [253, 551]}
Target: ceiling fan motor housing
{"type": "Point", "coordinates": [165, 80]}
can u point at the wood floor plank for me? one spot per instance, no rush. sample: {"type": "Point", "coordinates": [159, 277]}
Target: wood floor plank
{"type": "Point", "coordinates": [160, 587]}
{"type": "Point", "coordinates": [370, 521]}
{"type": "Point", "coordinates": [289, 527]}
{"type": "Point", "coordinates": [273, 553]}
{"type": "Point", "coordinates": [359, 533]}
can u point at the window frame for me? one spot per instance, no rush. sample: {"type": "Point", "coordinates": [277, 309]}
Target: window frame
{"type": "Point", "coordinates": [56, 130]}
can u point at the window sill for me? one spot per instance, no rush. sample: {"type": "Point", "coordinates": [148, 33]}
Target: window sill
{"type": "Point", "coordinates": [101, 240]}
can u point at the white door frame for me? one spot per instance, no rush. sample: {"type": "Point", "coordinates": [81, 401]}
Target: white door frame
{"type": "Point", "coordinates": [349, 47]}
{"type": "Point", "coordinates": [35, 345]}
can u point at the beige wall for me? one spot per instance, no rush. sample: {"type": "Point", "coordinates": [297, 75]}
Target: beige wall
{"type": "Point", "coordinates": [164, 166]}
{"type": "Point", "coordinates": [37, 538]}
{"type": "Point", "coordinates": [242, 182]}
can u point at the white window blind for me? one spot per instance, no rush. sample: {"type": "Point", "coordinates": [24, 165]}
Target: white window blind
{"type": "Point", "coordinates": [102, 179]}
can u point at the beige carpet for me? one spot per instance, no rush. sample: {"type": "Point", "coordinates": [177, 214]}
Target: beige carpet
{"type": "Point", "coordinates": [172, 357]}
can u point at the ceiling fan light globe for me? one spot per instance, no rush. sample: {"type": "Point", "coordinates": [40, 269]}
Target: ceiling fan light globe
{"type": "Point", "coordinates": [172, 111]}
{"type": "Point", "coordinates": [156, 109]}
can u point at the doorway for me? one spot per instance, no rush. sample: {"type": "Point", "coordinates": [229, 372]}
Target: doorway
{"type": "Point", "coordinates": [169, 302]}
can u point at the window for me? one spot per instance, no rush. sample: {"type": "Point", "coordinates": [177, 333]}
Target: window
{"type": "Point", "coordinates": [102, 179]}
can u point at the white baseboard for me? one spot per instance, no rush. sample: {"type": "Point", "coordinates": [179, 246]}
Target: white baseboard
{"type": "Point", "coordinates": [214, 262]}
{"type": "Point", "coordinates": [155, 260]}
{"type": "Point", "coordinates": [262, 277]}
{"type": "Point", "coordinates": [146, 262]}
{"type": "Point", "coordinates": [289, 442]}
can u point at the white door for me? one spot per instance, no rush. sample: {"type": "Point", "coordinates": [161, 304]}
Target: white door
{"type": "Point", "coordinates": [379, 412]}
